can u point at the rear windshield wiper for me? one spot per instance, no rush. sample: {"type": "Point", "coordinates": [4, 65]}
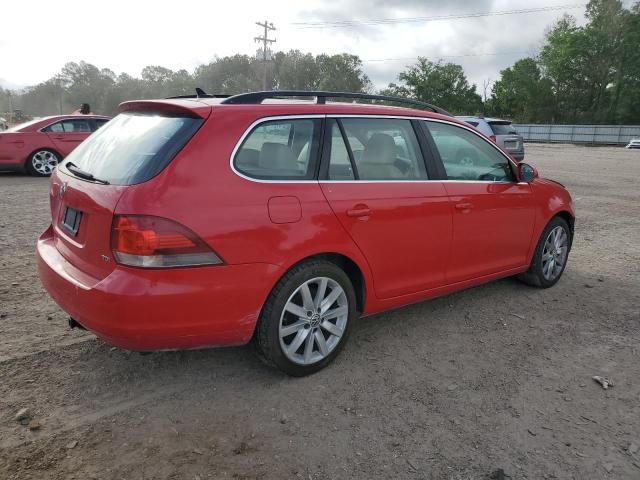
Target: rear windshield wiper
{"type": "Point", "coordinates": [78, 172]}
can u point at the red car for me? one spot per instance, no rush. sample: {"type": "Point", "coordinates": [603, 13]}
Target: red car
{"type": "Point", "coordinates": [37, 147]}
{"type": "Point", "coordinates": [188, 223]}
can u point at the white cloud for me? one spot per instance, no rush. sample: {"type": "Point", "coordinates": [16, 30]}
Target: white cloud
{"type": "Point", "coordinates": [39, 37]}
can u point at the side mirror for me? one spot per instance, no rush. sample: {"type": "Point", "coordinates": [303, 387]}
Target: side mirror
{"type": "Point", "coordinates": [527, 173]}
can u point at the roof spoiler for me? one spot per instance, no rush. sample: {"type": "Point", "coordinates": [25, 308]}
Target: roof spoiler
{"type": "Point", "coordinates": [183, 109]}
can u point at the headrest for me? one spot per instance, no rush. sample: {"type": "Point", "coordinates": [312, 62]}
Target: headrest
{"type": "Point", "coordinates": [380, 148]}
{"type": "Point", "coordinates": [275, 156]}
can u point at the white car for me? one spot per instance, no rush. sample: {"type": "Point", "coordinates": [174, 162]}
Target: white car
{"type": "Point", "coordinates": [634, 143]}
{"type": "Point", "coordinates": [3, 124]}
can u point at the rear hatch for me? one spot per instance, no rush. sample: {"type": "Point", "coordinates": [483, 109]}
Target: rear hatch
{"type": "Point", "coordinates": [506, 135]}
{"type": "Point", "coordinates": [85, 189]}
{"type": "Point", "coordinates": [81, 215]}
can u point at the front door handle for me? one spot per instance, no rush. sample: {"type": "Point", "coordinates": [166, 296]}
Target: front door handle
{"type": "Point", "coordinates": [59, 137]}
{"type": "Point", "coordinates": [359, 211]}
{"type": "Point", "coordinates": [464, 206]}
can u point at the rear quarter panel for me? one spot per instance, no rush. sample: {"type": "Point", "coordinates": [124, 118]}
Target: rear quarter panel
{"type": "Point", "coordinates": [16, 147]}
{"type": "Point", "coordinates": [199, 190]}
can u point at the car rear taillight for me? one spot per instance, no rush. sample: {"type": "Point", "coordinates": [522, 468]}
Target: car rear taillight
{"type": "Point", "coordinates": [493, 138]}
{"type": "Point", "coordinates": [155, 242]}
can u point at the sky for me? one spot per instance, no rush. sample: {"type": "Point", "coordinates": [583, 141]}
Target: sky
{"type": "Point", "coordinates": [38, 37]}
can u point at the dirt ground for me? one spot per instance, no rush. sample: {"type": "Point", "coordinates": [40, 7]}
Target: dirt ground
{"type": "Point", "coordinates": [495, 377]}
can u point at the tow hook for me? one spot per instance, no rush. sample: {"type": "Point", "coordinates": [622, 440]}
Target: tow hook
{"type": "Point", "coordinates": [75, 324]}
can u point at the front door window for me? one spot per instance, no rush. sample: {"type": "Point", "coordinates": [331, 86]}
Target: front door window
{"type": "Point", "coordinates": [466, 156]}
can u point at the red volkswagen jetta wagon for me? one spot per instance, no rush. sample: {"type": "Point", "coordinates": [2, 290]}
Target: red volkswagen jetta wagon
{"type": "Point", "coordinates": [208, 221]}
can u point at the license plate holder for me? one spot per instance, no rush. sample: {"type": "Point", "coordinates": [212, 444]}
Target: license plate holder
{"type": "Point", "coordinates": [511, 144]}
{"type": "Point", "coordinates": [71, 220]}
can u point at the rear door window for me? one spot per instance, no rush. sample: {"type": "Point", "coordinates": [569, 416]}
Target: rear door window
{"type": "Point", "coordinates": [379, 149]}
{"type": "Point", "coordinates": [280, 150]}
{"type": "Point", "coordinates": [54, 128]}
{"type": "Point", "coordinates": [132, 148]}
{"type": "Point", "coordinates": [69, 126]}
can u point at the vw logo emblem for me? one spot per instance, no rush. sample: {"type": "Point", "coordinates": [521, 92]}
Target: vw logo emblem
{"type": "Point", "coordinates": [63, 187]}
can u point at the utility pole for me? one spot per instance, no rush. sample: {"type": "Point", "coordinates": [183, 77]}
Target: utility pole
{"type": "Point", "coordinates": [60, 91]}
{"type": "Point", "coordinates": [10, 107]}
{"type": "Point", "coordinates": [265, 50]}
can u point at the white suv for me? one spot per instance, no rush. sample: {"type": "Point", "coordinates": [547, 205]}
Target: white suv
{"type": "Point", "coordinates": [501, 132]}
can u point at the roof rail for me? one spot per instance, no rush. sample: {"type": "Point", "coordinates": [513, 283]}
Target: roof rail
{"type": "Point", "coordinates": [200, 94]}
{"type": "Point", "coordinates": [321, 97]}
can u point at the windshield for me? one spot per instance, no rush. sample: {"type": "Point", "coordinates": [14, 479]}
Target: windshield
{"type": "Point", "coordinates": [132, 148]}
{"type": "Point", "coordinates": [503, 128]}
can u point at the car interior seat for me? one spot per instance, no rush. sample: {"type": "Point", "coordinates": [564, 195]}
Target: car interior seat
{"type": "Point", "coordinates": [378, 159]}
{"type": "Point", "coordinates": [275, 156]}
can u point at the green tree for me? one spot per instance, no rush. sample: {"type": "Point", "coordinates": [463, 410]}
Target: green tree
{"type": "Point", "coordinates": [342, 72]}
{"type": "Point", "coordinates": [84, 83]}
{"type": "Point", "coordinates": [625, 88]}
{"type": "Point", "coordinates": [605, 33]}
{"type": "Point", "coordinates": [126, 88]}
{"type": "Point", "coordinates": [522, 94]}
{"type": "Point", "coordinates": [295, 70]}
{"type": "Point", "coordinates": [46, 98]}
{"type": "Point", "coordinates": [234, 74]}
{"type": "Point", "coordinates": [442, 84]}
{"type": "Point", "coordinates": [591, 67]}
{"type": "Point", "coordinates": [5, 100]}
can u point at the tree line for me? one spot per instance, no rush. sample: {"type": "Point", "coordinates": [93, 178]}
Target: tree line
{"type": "Point", "coordinates": [583, 74]}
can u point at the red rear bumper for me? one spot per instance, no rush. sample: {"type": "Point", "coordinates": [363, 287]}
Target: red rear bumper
{"type": "Point", "coordinates": [147, 309]}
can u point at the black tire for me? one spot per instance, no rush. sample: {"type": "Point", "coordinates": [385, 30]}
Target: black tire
{"type": "Point", "coordinates": [534, 276]}
{"type": "Point", "coordinates": [267, 338]}
{"type": "Point", "coordinates": [44, 171]}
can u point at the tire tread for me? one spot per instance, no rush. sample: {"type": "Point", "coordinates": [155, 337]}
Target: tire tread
{"type": "Point", "coordinates": [534, 276]}
{"type": "Point", "coordinates": [266, 349]}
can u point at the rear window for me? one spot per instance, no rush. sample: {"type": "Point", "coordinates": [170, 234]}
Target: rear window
{"type": "Point", "coordinates": [503, 128]}
{"type": "Point", "coordinates": [280, 150]}
{"type": "Point", "coordinates": [69, 126]}
{"type": "Point", "coordinates": [132, 148]}
{"type": "Point", "coordinates": [21, 126]}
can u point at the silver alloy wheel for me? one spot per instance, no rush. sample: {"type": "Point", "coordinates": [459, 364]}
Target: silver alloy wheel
{"type": "Point", "coordinates": [554, 253]}
{"type": "Point", "coordinates": [313, 320]}
{"type": "Point", "coordinates": [44, 161]}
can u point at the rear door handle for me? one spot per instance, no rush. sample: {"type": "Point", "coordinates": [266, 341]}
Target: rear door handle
{"type": "Point", "coordinates": [464, 206]}
{"type": "Point", "coordinates": [359, 211]}
{"type": "Point", "coordinates": [59, 137]}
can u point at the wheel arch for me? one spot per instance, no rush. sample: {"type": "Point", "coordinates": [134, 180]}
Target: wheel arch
{"type": "Point", "coordinates": [570, 219]}
{"type": "Point", "coordinates": [348, 265]}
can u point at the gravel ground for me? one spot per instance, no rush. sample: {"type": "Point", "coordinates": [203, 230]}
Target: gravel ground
{"type": "Point", "coordinates": [495, 377]}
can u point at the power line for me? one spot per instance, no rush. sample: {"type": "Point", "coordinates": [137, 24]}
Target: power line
{"type": "Point", "coordinates": [496, 54]}
{"type": "Point", "coordinates": [265, 49]}
{"type": "Point", "coordinates": [391, 21]}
